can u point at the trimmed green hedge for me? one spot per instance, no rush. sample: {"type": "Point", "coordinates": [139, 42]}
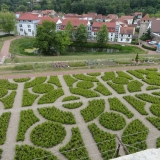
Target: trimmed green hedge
{"type": "Point", "coordinates": [73, 105]}
{"type": "Point", "coordinates": [155, 109]}
{"type": "Point", "coordinates": [136, 74]}
{"type": "Point", "coordinates": [70, 98]}
{"type": "Point", "coordinates": [149, 48]}
{"type": "Point", "coordinates": [69, 80]}
{"type": "Point", "coordinates": [119, 88]}
{"type": "Point", "coordinates": [152, 88]}
{"type": "Point", "coordinates": [125, 75]}
{"type": "Point", "coordinates": [134, 86]}
{"type": "Point", "coordinates": [1, 153]}
{"type": "Point", "coordinates": [155, 121]}
{"type": "Point", "coordinates": [42, 88]}
{"type": "Point", "coordinates": [120, 80]}
{"type": "Point", "coordinates": [94, 74]}
{"type": "Point", "coordinates": [108, 76]}
{"type": "Point", "coordinates": [3, 92]}
{"type": "Point", "coordinates": [158, 142]}
{"type": "Point", "coordinates": [20, 80]}
{"type": "Point", "coordinates": [85, 78]}
{"type": "Point", "coordinates": [85, 84]}
{"type": "Point", "coordinates": [5, 84]}
{"type": "Point", "coordinates": [55, 80]}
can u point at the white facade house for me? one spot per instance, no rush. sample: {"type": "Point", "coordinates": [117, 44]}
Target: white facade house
{"type": "Point", "coordinates": [128, 18]}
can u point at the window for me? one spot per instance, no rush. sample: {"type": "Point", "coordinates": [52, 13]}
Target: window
{"type": "Point", "coordinates": [95, 28]}
{"type": "Point", "coordinates": [111, 34]}
{"type": "Point", "coordinates": [23, 20]}
{"type": "Point", "coordinates": [29, 26]}
{"type": "Point", "coordinates": [75, 27]}
{"type": "Point", "coordinates": [20, 25]}
{"type": "Point", "coordinates": [121, 39]}
{"type": "Point", "coordinates": [111, 39]}
{"type": "Point", "coordinates": [122, 35]}
{"type": "Point", "coordinates": [29, 30]}
{"type": "Point", "coordinates": [129, 35]}
{"type": "Point", "coordinates": [144, 20]}
{"type": "Point", "coordinates": [21, 30]}
{"type": "Point", "coordinates": [95, 33]}
{"type": "Point", "coordinates": [89, 33]}
{"type": "Point", "coordinates": [29, 21]}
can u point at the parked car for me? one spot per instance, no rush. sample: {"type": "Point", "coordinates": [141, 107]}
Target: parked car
{"type": "Point", "coordinates": [152, 42]}
{"type": "Point", "coordinates": [148, 40]}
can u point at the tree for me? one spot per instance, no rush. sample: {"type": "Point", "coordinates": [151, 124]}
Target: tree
{"type": "Point", "coordinates": [15, 31]}
{"type": "Point", "coordinates": [81, 34]}
{"type": "Point", "coordinates": [70, 29]}
{"type": "Point", "coordinates": [102, 36]}
{"type": "Point", "coordinates": [137, 58]}
{"type": "Point", "coordinates": [33, 33]}
{"type": "Point", "coordinates": [4, 8]}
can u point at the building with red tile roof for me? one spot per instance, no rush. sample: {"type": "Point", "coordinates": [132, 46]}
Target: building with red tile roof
{"type": "Point", "coordinates": [129, 19]}
{"type": "Point", "coordinates": [138, 14]}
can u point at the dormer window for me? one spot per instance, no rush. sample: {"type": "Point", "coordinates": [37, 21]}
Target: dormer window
{"type": "Point", "coordinates": [95, 28]}
{"type": "Point", "coordinates": [129, 35]}
{"type": "Point", "coordinates": [144, 20]}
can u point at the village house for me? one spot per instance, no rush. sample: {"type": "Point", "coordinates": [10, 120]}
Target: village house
{"type": "Point", "coordinates": [138, 15]}
{"type": "Point", "coordinates": [129, 19]}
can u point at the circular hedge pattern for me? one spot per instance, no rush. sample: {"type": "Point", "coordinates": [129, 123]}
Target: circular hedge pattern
{"type": "Point", "coordinates": [48, 134]}
{"type": "Point", "coordinates": [3, 92]}
{"type": "Point", "coordinates": [85, 84]}
{"type": "Point", "coordinates": [42, 88]}
{"type": "Point", "coordinates": [112, 121]}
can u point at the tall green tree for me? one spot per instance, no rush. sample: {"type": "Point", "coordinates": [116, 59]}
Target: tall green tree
{"type": "Point", "coordinates": [102, 36]}
{"type": "Point", "coordinates": [70, 29]}
{"type": "Point", "coordinates": [81, 34]}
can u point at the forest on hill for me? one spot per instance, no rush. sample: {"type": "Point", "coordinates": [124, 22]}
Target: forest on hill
{"type": "Point", "coordinates": [104, 7]}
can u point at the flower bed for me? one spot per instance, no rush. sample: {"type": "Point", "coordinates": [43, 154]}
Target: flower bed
{"type": "Point", "coordinates": [85, 78]}
{"type": "Point", "coordinates": [73, 105]}
{"type": "Point", "coordinates": [5, 84]}
{"type": "Point", "coordinates": [135, 134]}
{"type": "Point", "coordinates": [42, 88]}
{"type": "Point", "coordinates": [152, 87]}
{"type": "Point", "coordinates": [69, 80]}
{"type": "Point", "coordinates": [102, 89]}
{"type": "Point", "coordinates": [119, 88]}
{"type": "Point", "coordinates": [4, 121]}
{"type": "Point", "coordinates": [26, 152]}
{"type": "Point", "coordinates": [70, 98]}
{"type": "Point", "coordinates": [123, 74]}
{"type": "Point", "coordinates": [106, 142]}
{"type": "Point", "coordinates": [137, 104]}
{"type": "Point", "coordinates": [108, 76]}
{"type": "Point", "coordinates": [117, 105]}
{"type": "Point", "coordinates": [56, 115]}
{"type": "Point", "coordinates": [155, 109]}
{"type": "Point", "coordinates": [3, 92]}
{"type": "Point", "coordinates": [55, 80]}
{"type": "Point", "coordinates": [84, 92]}
{"type": "Point", "coordinates": [94, 74]}
{"type": "Point", "coordinates": [155, 121]}
{"type": "Point", "coordinates": [113, 121]}
{"type": "Point", "coordinates": [27, 119]}
{"type": "Point", "coordinates": [75, 148]}
{"type": "Point", "coordinates": [48, 134]}
{"type": "Point", "coordinates": [37, 80]}
{"type": "Point", "coordinates": [8, 100]}
{"type": "Point", "coordinates": [20, 80]}
{"type": "Point", "coordinates": [134, 86]}
{"type": "Point", "coordinates": [93, 110]}
{"type": "Point", "coordinates": [51, 96]}
{"type": "Point", "coordinates": [136, 74]}
{"type": "Point", "coordinates": [28, 98]}
{"type": "Point", "coordinates": [85, 84]}
{"type": "Point", "coordinates": [120, 80]}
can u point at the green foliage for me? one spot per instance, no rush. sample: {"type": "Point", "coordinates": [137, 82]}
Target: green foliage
{"type": "Point", "coordinates": [117, 105]}
{"type": "Point", "coordinates": [137, 58]}
{"type": "Point", "coordinates": [137, 104]}
{"type": "Point", "coordinates": [1, 153]}
{"type": "Point", "coordinates": [3, 92]}
{"type": "Point", "coordinates": [93, 110]}
{"type": "Point", "coordinates": [134, 86]}
{"type": "Point", "coordinates": [155, 109]}
{"type": "Point", "coordinates": [42, 88]}
{"type": "Point", "coordinates": [69, 28]}
{"type": "Point", "coordinates": [155, 121]}
{"type": "Point", "coordinates": [4, 121]}
{"type": "Point", "coordinates": [48, 134]}
{"type": "Point", "coordinates": [149, 48]}
{"type": "Point", "coordinates": [102, 89]}
{"type": "Point", "coordinates": [152, 88]}
{"type": "Point", "coordinates": [148, 98]}
{"type": "Point", "coordinates": [8, 100]}
{"type": "Point", "coordinates": [85, 78]}
{"type": "Point", "coordinates": [106, 142]}
{"type": "Point", "coordinates": [108, 76]}
{"type": "Point", "coordinates": [85, 84]}
{"type": "Point", "coordinates": [56, 115]}
{"type": "Point", "coordinates": [70, 150]}
{"type": "Point", "coordinates": [51, 96]}
{"type": "Point", "coordinates": [120, 80]}
{"type": "Point", "coordinates": [137, 132]}
{"type": "Point", "coordinates": [136, 74]}
{"type": "Point", "coordinates": [21, 79]}
{"type": "Point", "coordinates": [69, 80]}
{"type": "Point", "coordinates": [119, 88]}
{"type": "Point", "coordinates": [94, 74]}
{"type": "Point", "coordinates": [27, 119]}
{"type": "Point", "coordinates": [27, 152]}
{"type": "Point", "coordinates": [156, 93]}
{"type": "Point", "coordinates": [113, 121]}
{"type": "Point", "coordinates": [55, 80]}
{"type": "Point", "coordinates": [123, 74]}
{"type": "Point", "coordinates": [151, 69]}
{"type": "Point", "coordinates": [73, 105]}
{"type": "Point", "coordinates": [28, 98]}
{"type": "Point", "coordinates": [102, 36]}
{"type": "Point", "coordinates": [77, 64]}
{"type": "Point", "coordinates": [84, 92]}
{"type": "Point", "coordinates": [70, 98]}
{"type": "Point", "coordinates": [34, 82]}
{"type": "Point", "coordinates": [21, 67]}
{"type": "Point", "coordinates": [5, 84]}
{"type": "Point", "coordinates": [152, 81]}
{"type": "Point", "coordinates": [158, 142]}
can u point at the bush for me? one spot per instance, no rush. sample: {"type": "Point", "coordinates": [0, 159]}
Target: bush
{"type": "Point", "coordinates": [93, 110]}
{"type": "Point", "coordinates": [136, 74]}
{"type": "Point", "coordinates": [137, 104]}
{"type": "Point", "coordinates": [117, 105]}
{"type": "Point", "coordinates": [120, 80]}
{"type": "Point", "coordinates": [155, 121]}
{"type": "Point", "coordinates": [27, 119]}
{"type": "Point", "coordinates": [70, 151]}
{"type": "Point", "coordinates": [106, 142]}
{"type": "Point", "coordinates": [42, 88]}
{"type": "Point", "coordinates": [70, 98]}
{"type": "Point", "coordinates": [155, 109]}
{"type": "Point", "coordinates": [4, 121]}
{"type": "Point", "coordinates": [56, 115]}
{"type": "Point", "coordinates": [69, 80]}
{"type": "Point", "coordinates": [94, 74]}
{"type": "Point", "coordinates": [152, 88]}
{"type": "Point", "coordinates": [28, 98]}
{"type": "Point", "coordinates": [149, 48]}
{"type": "Point", "coordinates": [85, 78]}
{"type": "Point", "coordinates": [123, 74]}
{"type": "Point", "coordinates": [119, 88]}
{"type": "Point", "coordinates": [77, 64]}
{"type": "Point", "coordinates": [152, 81]}
{"type": "Point", "coordinates": [55, 80]}
{"type": "Point", "coordinates": [113, 121]}
{"type": "Point", "coordinates": [5, 84]}
{"type": "Point", "coordinates": [1, 153]}
{"type": "Point", "coordinates": [108, 76]}
{"type": "Point", "coordinates": [134, 86]}
{"type": "Point", "coordinates": [23, 67]}
{"type": "Point", "coordinates": [156, 93]}
{"type": "Point", "coordinates": [21, 79]}
{"type": "Point", "coordinates": [3, 92]}
{"type": "Point", "coordinates": [85, 84]}
{"type": "Point", "coordinates": [73, 105]}
{"type": "Point", "coordinates": [158, 142]}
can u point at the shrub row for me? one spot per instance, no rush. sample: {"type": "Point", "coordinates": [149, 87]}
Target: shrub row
{"type": "Point", "coordinates": [1, 153]}
{"type": "Point", "coordinates": [135, 135]}
{"type": "Point", "coordinates": [51, 96]}
{"type": "Point", "coordinates": [120, 80]}
{"type": "Point", "coordinates": [93, 110]}
{"type": "Point", "coordinates": [152, 81]}
{"type": "Point", "coordinates": [85, 78]}
{"type": "Point", "coordinates": [3, 92]}
{"type": "Point", "coordinates": [152, 88]}
{"type": "Point", "coordinates": [56, 115]}
{"type": "Point", "coordinates": [134, 86]}
{"type": "Point", "coordinates": [106, 142]}
{"type": "Point", "coordinates": [137, 104]}
{"type": "Point", "coordinates": [84, 92]}
{"type": "Point", "coordinates": [42, 88]}
{"type": "Point", "coordinates": [119, 88]}
{"type": "Point", "coordinates": [75, 149]}
{"type": "Point", "coordinates": [48, 134]}
{"type": "Point", "coordinates": [151, 69]}
{"type": "Point", "coordinates": [55, 80]}
{"type": "Point", "coordinates": [4, 121]}
{"type": "Point", "coordinates": [153, 76]}
{"type": "Point", "coordinates": [70, 98]}
{"type": "Point", "coordinates": [94, 74]}
{"type": "Point", "coordinates": [8, 100]}
{"type": "Point", "coordinates": [111, 120]}
{"type": "Point", "coordinates": [156, 93]}
{"type": "Point", "coordinates": [69, 80]}
{"type": "Point", "coordinates": [85, 84]}
{"type": "Point", "coordinates": [149, 48]}
{"type": "Point", "coordinates": [123, 74]}
{"type": "Point", "coordinates": [117, 105]}
{"type": "Point", "coordinates": [155, 109]}
{"type": "Point", "coordinates": [73, 105]}
{"type": "Point", "coordinates": [102, 89]}
{"type": "Point", "coordinates": [136, 74]}
{"type": "Point", "coordinates": [28, 98]}
{"type": "Point", "coordinates": [158, 142]}
{"type": "Point", "coordinates": [27, 119]}
{"type": "Point", "coordinates": [5, 84]}
{"type": "Point", "coordinates": [108, 76]}
{"type": "Point", "coordinates": [155, 121]}
{"type": "Point", "coordinates": [21, 79]}
{"type": "Point", "coordinates": [37, 80]}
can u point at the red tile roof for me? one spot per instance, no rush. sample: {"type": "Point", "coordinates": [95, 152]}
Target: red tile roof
{"type": "Point", "coordinates": [28, 16]}
{"type": "Point", "coordinates": [127, 30]}
{"type": "Point", "coordinates": [72, 16]}
{"type": "Point", "coordinates": [127, 17]}
{"type": "Point", "coordinates": [146, 17]}
{"type": "Point", "coordinates": [108, 24]}
{"type": "Point", "coordinates": [49, 19]}
{"type": "Point", "coordinates": [74, 21]}
{"type": "Point", "coordinates": [155, 26]}
{"type": "Point", "coordinates": [112, 16]}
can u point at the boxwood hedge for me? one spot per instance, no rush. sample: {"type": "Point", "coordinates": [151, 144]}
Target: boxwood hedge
{"type": "Point", "coordinates": [158, 142]}
{"type": "Point", "coordinates": [5, 84]}
{"type": "Point", "coordinates": [3, 92]}
{"type": "Point", "coordinates": [155, 121]}
{"type": "Point", "coordinates": [120, 80]}
{"type": "Point", "coordinates": [69, 80]}
{"type": "Point", "coordinates": [134, 86]}
{"type": "Point", "coordinates": [85, 78]}
{"type": "Point", "coordinates": [108, 76]}
{"type": "Point", "coordinates": [152, 81]}
{"type": "Point", "coordinates": [119, 88]}
{"type": "Point", "coordinates": [73, 105]}
{"type": "Point", "coordinates": [136, 74]}
{"type": "Point", "coordinates": [94, 74]}
{"type": "Point", "coordinates": [125, 75]}
{"type": "Point", "coordinates": [85, 84]}
{"type": "Point", "coordinates": [42, 88]}
{"type": "Point", "coordinates": [152, 87]}
{"type": "Point", "coordinates": [1, 153]}
{"type": "Point", "coordinates": [55, 80]}
{"type": "Point", "coordinates": [70, 98]}
{"type": "Point", "coordinates": [20, 80]}
{"type": "Point", "coordinates": [155, 109]}
{"type": "Point", "coordinates": [156, 93]}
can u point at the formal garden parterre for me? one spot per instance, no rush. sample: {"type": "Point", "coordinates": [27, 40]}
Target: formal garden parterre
{"type": "Point", "coordinates": [73, 116]}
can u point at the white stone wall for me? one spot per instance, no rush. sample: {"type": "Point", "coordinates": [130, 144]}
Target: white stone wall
{"type": "Point", "coordinates": [125, 38]}
{"type": "Point", "coordinates": [111, 36]}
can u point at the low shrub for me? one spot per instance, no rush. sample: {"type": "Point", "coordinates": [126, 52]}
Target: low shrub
{"type": "Point", "coordinates": [21, 79]}
{"type": "Point", "coordinates": [152, 81]}
{"type": "Point", "coordinates": [156, 93]}
{"type": "Point", "coordinates": [73, 105]}
{"type": "Point", "coordinates": [69, 80]}
{"type": "Point", "coordinates": [123, 74]}
{"type": "Point", "coordinates": [55, 80]}
{"type": "Point", "coordinates": [136, 74]}
{"type": "Point", "coordinates": [94, 74]}
{"type": "Point", "coordinates": [155, 109]}
{"type": "Point", "coordinates": [152, 88]}
{"type": "Point", "coordinates": [155, 121]}
{"type": "Point", "coordinates": [149, 48]}
{"type": "Point", "coordinates": [108, 76]}
{"type": "Point", "coordinates": [85, 78]}
{"type": "Point", "coordinates": [3, 92]}
{"type": "Point", "coordinates": [85, 84]}
{"type": "Point", "coordinates": [134, 86]}
{"type": "Point", "coordinates": [70, 98]}
{"type": "Point", "coordinates": [42, 88]}
{"type": "Point", "coordinates": [158, 142]}
{"type": "Point", "coordinates": [120, 80]}
{"type": "Point", "coordinates": [1, 153]}
{"type": "Point", "coordinates": [5, 84]}
{"type": "Point", "coordinates": [119, 88]}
